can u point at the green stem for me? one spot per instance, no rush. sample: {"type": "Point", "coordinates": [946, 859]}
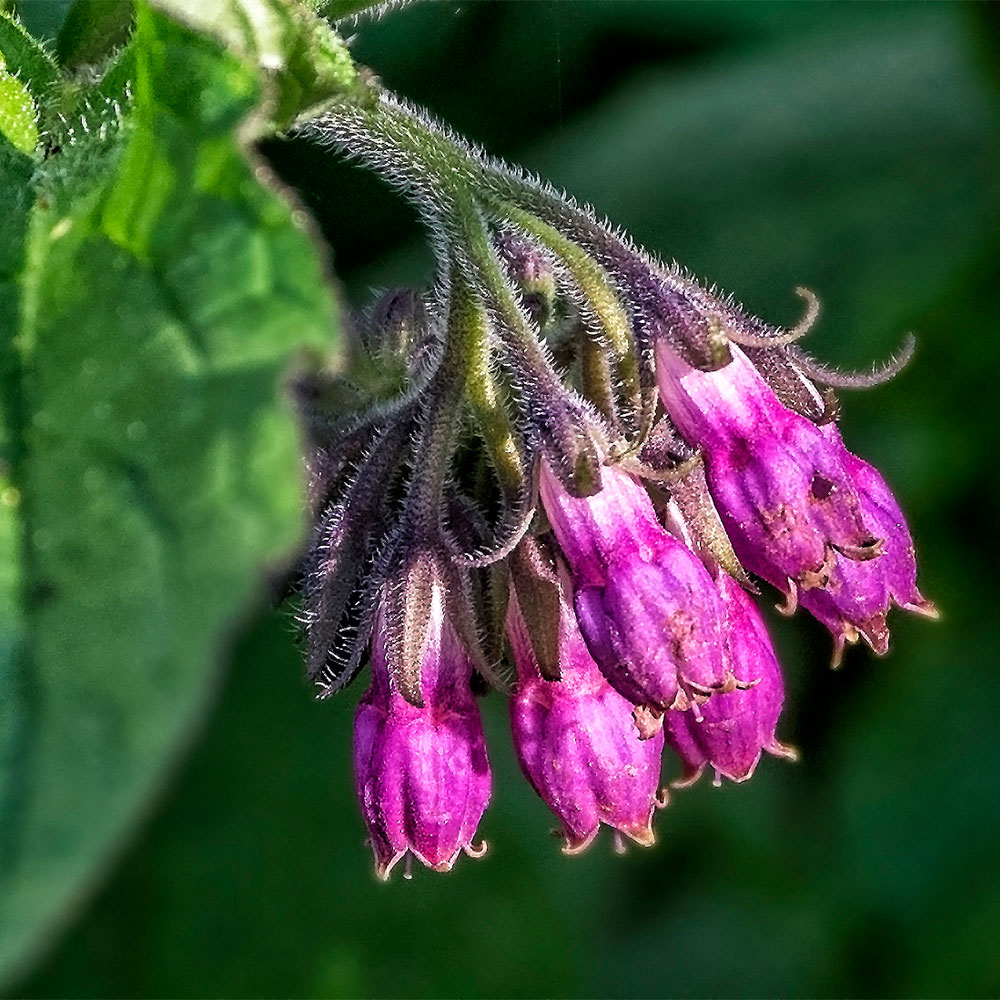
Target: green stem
{"type": "Point", "coordinates": [465, 376]}
{"type": "Point", "coordinates": [448, 184]}
{"type": "Point", "coordinates": [597, 288]}
{"type": "Point", "coordinates": [592, 279]}
{"type": "Point", "coordinates": [481, 255]}
{"type": "Point", "coordinates": [484, 400]}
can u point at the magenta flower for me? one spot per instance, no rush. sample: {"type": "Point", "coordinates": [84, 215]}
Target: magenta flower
{"type": "Point", "coordinates": [647, 607]}
{"type": "Point", "coordinates": [802, 512]}
{"type": "Point", "coordinates": [731, 730]}
{"type": "Point", "coordinates": [576, 740]}
{"type": "Point", "coordinates": [859, 594]}
{"type": "Point", "coordinates": [422, 773]}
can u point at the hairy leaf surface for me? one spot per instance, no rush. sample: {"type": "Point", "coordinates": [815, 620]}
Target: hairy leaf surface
{"type": "Point", "coordinates": [152, 294]}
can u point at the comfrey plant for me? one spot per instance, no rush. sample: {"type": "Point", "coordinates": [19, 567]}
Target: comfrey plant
{"type": "Point", "coordinates": [570, 456]}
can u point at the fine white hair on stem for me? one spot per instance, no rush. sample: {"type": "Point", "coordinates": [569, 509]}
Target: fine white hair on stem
{"type": "Point", "coordinates": [879, 374]}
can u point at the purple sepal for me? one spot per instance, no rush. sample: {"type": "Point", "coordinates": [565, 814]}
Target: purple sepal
{"type": "Point", "coordinates": [731, 730]}
{"type": "Point", "coordinates": [803, 513]}
{"type": "Point", "coordinates": [577, 743]}
{"type": "Point", "coordinates": [422, 774]}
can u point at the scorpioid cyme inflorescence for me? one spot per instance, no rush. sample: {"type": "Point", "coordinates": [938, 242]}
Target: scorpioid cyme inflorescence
{"type": "Point", "coordinates": [569, 456]}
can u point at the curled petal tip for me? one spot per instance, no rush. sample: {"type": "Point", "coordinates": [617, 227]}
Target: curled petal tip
{"type": "Point", "coordinates": [790, 604]}
{"type": "Point", "coordinates": [837, 657]}
{"type": "Point", "coordinates": [648, 721]}
{"type": "Point", "coordinates": [875, 632]}
{"type": "Point", "coordinates": [641, 835]}
{"type": "Point", "coordinates": [476, 850]}
{"type": "Point", "coordinates": [928, 609]}
{"type": "Point", "coordinates": [778, 749]}
{"type": "Point", "coordinates": [848, 636]}
{"type": "Point", "coordinates": [689, 778]}
{"type": "Point", "coordinates": [869, 549]}
{"type": "Point", "coordinates": [383, 869]}
{"type": "Point", "coordinates": [577, 845]}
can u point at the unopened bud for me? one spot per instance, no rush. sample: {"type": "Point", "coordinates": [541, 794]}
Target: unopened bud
{"type": "Point", "coordinates": [396, 325]}
{"type": "Point", "coordinates": [576, 740]}
{"type": "Point", "coordinates": [532, 273]}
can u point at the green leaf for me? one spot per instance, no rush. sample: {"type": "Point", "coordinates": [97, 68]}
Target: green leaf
{"type": "Point", "coordinates": [92, 30]}
{"type": "Point", "coordinates": [18, 118]}
{"type": "Point", "coordinates": [26, 57]}
{"type": "Point", "coordinates": [56, 96]}
{"type": "Point", "coordinates": [337, 9]}
{"type": "Point", "coordinates": [42, 18]}
{"type": "Point", "coordinates": [306, 62]}
{"type": "Point", "coordinates": [15, 171]}
{"type": "Point", "coordinates": [150, 299]}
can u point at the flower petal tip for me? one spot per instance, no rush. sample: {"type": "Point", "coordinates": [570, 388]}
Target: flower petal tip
{"type": "Point", "coordinates": [476, 851]}
{"type": "Point", "coordinates": [383, 869]}
{"type": "Point", "coordinates": [577, 845]}
{"type": "Point", "coordinates": [641, 835]}
{"type": "Point", "coordinates": [924, 608]}
{"type": "Point", "coordinates": [778, 749]}
{"type": "Point", "coordinates": [688, 778]}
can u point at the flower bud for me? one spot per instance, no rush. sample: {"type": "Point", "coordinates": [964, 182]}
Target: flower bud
{"type": "Point", "coordinates": [731, 729]}
{"type": "Point", "coordinates": [532, 273]}
{"type": "Point", "coordinates": [396, 326]}
{"type": "Point", "coordinates": [593, 531]}
{"type": "Point", "coordinates": [802, 511]}
{"type": "Point", "coordinates": [576, 740]}
{"type": "Point", "coordinates": [422, 773]}
{"type": "Point", "coordinates": [647, 607]}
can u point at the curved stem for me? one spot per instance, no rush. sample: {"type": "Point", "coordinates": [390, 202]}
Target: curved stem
{"type": "Point", "coordinates": [597, 288]}
{"type": "Point", "coordinates": [484, 399]}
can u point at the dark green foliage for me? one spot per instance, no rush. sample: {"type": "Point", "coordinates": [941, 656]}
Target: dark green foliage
{"type": "Point", "coordinates": [92, 29]}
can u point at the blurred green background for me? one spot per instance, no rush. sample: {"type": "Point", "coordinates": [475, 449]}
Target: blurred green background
{"type": "Point", "coordinates": [851, 148]}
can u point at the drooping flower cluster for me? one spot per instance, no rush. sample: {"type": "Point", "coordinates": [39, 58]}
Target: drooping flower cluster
{"type": "Point", "coordinates": [569, 459]}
